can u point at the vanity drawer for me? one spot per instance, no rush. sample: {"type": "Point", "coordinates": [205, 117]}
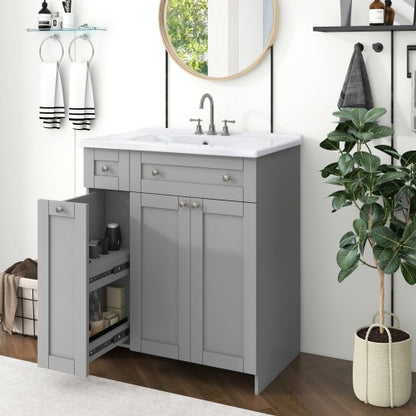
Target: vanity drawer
{"type": "Point", "coordinates": [106, 169]}
{"type": "Point", "coordinates": [207, 177]}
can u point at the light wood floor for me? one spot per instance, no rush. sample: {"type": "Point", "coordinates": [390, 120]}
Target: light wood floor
{"type": "Point", "coordinates": [310, 386]}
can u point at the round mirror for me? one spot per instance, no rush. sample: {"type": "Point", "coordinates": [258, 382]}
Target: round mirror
{"type": "Point", "coordinates": [218, 39]}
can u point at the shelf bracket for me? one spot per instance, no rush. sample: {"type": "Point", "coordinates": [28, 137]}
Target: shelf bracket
{"type": "Point", "coordinates": [409, 48]}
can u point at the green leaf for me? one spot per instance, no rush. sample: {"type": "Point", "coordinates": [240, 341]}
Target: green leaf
{"type": "Point", "coordinates": [365, 199]}
{"type": "Point", "coordinates": [408, 158]}
{"type": "Point", "coordinates": [409, 236]}
{"type": "Point", "coordinates": [389, 177]}
{"type": "Point", "coordinates": [338, 202]}
{"type": "Point", "coordinates": [384, 237]}
{"type": "Point", "coordinates": [409, 273]}
{"type": "Point", "coordinates": [365, 136]}
{"type": "Point", "coordinates": [347, 114]}
{"type": "Point", "coordinates": [373, 212]}
{"type": "Point", "coordinates": [347, 239]}
{"type": "Point", "coordinates": [345, 273]}
{"type": "Point", "coordinates": [391, 151]}
{"type": "Point", "coordinates": [381, 131]}
{"type": "Point", "coordinates": [408, 256]}
{"type": "Point", "coordinates": [329, 145]}
{"type": "Point", "coordinates": [388, 259]}
{"type": "Point", "coordinates": [360, 228]}
{"type": "Point", "coordinates": [346, 164]}
{"type": "Point", "coordinates": [370, 163]}
{"type": "Point", "coordinates": [388, 189]}
{"type": "Point", "coordinates": [349, 146]}
{"type": "Point", "coordinates": [397, 226]}
{"type": "Point", "coordinates": [347, 257]}
{"type": "Point", "coordinates": [331, 169]}
{"type": "Point", "coordinates": [374, 114]}
{"type": "Point", "coordinates": [340, 136]}
{"type": "Point", "coordinates": [337, 181]}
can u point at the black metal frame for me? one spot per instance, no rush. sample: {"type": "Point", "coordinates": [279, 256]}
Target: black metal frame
{"type": "Point", "coordinates": [32, 321]}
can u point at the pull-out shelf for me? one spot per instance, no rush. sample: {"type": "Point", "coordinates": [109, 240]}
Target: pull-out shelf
{"type": "Point", "coordinates": [67, 276]}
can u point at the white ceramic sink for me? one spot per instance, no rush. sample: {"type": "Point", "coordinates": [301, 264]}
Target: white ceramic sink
{"type": "Point", "coordinates": [176, 141]}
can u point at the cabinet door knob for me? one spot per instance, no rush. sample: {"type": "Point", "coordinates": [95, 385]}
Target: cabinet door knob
{"type": "Point", "coordinates": [59, 209]}
{"type": "Point", "coordinates": [182, 204]}
{"type": "Point", "coordinates": [195, 205]}
{"type": "Point", "coordinates": [105, 168]}
{"type": "Point", "coordinates": [155, 172]}
{"type": "Point", "coordinates": [226, 178]}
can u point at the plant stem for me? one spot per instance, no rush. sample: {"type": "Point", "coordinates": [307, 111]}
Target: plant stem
{"type": "Point", "coordinates": [381, 298]}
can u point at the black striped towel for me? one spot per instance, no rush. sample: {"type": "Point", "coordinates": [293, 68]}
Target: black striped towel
{"type": "Point", "coordinates": [51, 100]}
{"type": "Point", "coordinates": [81, 98]}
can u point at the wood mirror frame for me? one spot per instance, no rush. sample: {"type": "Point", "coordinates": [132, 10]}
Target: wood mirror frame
{"type": "Point", "coordinates": [172, 51]}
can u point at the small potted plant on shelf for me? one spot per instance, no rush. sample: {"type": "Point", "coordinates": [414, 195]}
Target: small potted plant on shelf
{"type": "Point", "coordinates": [384, 196]}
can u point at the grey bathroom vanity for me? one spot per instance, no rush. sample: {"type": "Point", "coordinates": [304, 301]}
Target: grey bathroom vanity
{"type": "Point", "coordinates": [209, 253]}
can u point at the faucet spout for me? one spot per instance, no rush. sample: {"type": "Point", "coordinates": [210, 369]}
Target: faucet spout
{"type": "Point", "coordinates": [211, 128]}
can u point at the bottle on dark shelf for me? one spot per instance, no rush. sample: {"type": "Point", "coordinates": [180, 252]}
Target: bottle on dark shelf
{"type": "Point", "coordinates": [44, 17]}
{"type": "Point", "coordinates": [388, 14]}
{"type": "Point", "coordinates": [376, 13]}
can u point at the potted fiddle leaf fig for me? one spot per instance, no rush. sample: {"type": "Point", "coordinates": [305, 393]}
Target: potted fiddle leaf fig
{"type": "Point", "coordinates": [382, 238]}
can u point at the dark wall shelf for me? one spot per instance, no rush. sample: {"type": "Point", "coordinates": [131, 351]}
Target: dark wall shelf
{"type": "Point", "coordinates": [398, 28]}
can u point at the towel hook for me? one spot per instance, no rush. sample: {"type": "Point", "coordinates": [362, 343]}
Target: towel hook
{"type": "Point", "coordinates": [83, 37]}
{"type": "Point", "coordinates": [55, 38]}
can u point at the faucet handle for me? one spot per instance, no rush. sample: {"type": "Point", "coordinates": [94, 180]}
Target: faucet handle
{"type": "Point", "coordinates": [225, 131]}
{"type": "Point", "coordinates": [198, 129]}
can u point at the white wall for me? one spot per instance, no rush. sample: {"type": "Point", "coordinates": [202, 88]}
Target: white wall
{"type": "Point", "coordinates": [128, 77]}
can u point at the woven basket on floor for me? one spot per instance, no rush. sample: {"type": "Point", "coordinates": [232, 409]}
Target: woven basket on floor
{"type": "Point", "coordinates": [382, 372]}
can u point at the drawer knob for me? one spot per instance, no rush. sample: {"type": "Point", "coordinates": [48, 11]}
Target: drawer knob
{"type": "Point", "coordinates": [105, 168]}
{"type": "Point", "coordinates": [195, 205]}
{"type": "Point", "coordinates": [226, 178]}
{"type": "Point", "coordinates": [155, 172]}
{"type": "Point", "coordinates": [182, 204]}
{"type": "Point", "coordinates": [59, 209]}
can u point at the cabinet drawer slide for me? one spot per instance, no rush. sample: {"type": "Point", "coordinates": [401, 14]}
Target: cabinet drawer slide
{"type": "Point", "coordinates": [108, 341]}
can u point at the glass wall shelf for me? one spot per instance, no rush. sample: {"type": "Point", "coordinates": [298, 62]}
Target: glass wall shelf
{"type": "Point", "coordinates": [69, 29]}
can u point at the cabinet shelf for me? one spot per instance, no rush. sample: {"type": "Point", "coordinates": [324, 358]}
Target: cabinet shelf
{"type": "Point", "coordinates": [100, 271]}
{"type": "Point", "coordinates": [398, 28]}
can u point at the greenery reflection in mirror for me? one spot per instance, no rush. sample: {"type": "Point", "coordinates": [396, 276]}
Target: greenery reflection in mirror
{"type": "Point", "coordinates": [187, 25]}
{"type": "Point", "coordinates": [218, 39]}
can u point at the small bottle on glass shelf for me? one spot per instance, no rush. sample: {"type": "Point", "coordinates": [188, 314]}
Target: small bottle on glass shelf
{"type": "Point", "coordinates": [376, 13]}
{"type": "Point", "coordinates": [388, 14]}
{"type": "Point", "coordinates": [44, 17]}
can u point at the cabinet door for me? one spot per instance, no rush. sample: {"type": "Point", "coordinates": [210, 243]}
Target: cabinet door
{"type": "Point", "coordinates": [62, 285]}
{"type": "Point", "coordinates": [66, 276]}
{"type": "Point", "coordinates": [220, 276]}
{"type": "Point", "coordinates": [164, 270]}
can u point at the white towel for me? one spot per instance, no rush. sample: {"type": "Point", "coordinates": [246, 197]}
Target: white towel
{"type": "Point", "coordinates": [51, 100]}
{"type": "Point", "coordinates": [81, 98]}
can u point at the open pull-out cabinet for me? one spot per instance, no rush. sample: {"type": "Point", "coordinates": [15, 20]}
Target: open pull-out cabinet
{"type": "Point", "coordinates": [67, 276]}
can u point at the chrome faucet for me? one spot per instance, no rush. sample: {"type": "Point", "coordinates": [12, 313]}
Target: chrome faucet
{"type": "Point", "coordinates": [211, 128]}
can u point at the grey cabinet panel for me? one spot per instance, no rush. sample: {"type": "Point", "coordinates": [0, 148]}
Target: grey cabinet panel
{"type": "Point", "coordinates": [107, 169]}
{"type": "Point", "coordinates": [62, 285]}
{"type": "Point", "coordinates": [163, 311]}
{"type": "Point", "coordinates": [218, 284]}
{"type": "Point", "coordinates": [193, 189]}
{"type": "Point", "coordinates": [66, 277]}
{"type": "Point", "coordinates": [235, 163]}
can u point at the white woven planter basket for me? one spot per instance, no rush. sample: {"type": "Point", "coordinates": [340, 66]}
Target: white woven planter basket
{"type": "Point", "coordinates": [382, 372]}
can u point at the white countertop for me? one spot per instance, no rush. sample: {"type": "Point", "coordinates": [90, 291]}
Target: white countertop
{"type": "Point", "coordinates": [245, 144]}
